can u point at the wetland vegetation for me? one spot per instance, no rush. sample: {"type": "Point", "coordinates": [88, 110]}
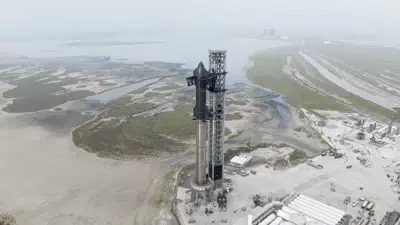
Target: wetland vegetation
{"type": "Point", "coordinates": [310, 89]}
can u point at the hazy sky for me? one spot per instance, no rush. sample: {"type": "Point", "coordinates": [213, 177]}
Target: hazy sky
{"type": "Point", "coordinates": [26, 16]}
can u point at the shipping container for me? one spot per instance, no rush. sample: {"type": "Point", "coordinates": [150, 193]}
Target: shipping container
{"type": "Point", "coordinates": [370, 205]}
{"type": "Point", "coordinates": [365, 203]}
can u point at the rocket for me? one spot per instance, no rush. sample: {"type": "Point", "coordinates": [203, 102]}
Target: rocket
{"type": "Point", "coordinates": [200, 113]}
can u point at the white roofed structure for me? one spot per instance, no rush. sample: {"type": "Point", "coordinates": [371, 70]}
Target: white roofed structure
{"type": "Point", "coordinates": [240, 161]}
{"type": "Point", "coordinates": [315, 210]}
{"type": "Point", "coordinates": [301, 210]}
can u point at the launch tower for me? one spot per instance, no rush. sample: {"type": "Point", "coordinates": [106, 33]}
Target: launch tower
{"type": "Point", "coordinates": [212, 81]}
{"type": "Point", "coordinates": [216, 129]}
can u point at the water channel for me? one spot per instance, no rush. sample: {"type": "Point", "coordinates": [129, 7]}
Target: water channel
{"type": "Point", "coordinates": [183, 48]}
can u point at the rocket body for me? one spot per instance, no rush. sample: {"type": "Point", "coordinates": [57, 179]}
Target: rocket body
{"type": "Point", "coordinates": [200, 112]}
{"type": "Point", "coordinates": [201, 150]}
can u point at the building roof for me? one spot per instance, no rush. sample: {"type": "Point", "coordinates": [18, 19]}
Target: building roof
{"type": "Point", "coordinates": [394, 216]}
{"type": "Point", "coordinates": [302, 210]}
{"type": "Point", "coordinates": [315, 210]}
{"type": "Point", "coordinates": [241, 160]}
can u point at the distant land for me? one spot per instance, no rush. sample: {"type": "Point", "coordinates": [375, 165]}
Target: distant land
{"type": "Point", "coordinates": [110, 43]}
{"type": "Point", "coordinates": [336, 76]}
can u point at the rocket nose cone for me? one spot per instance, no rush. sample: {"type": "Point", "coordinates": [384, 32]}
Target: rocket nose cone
{"type": "Point", "coordinates": [200, 64]}
{"type": "Point", "coordinates": [200, 70]}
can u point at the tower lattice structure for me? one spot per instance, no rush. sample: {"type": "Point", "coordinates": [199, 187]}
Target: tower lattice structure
{"type": "Point", "coordinates": [216, 88]}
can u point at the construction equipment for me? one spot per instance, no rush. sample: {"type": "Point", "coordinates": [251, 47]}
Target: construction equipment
{"type": "Point", "coordinates": [189, 210]}
{"type": "Point", "coordinates": [333, 189]}
{"type": "Point", "coordinates": [347, 200]}
{"type": "Point", "coordinates": [221, 200]}
{"type": "Point", "coordinates": [394, 117]}
{"type": "Point", "coordinates": [361, 134]}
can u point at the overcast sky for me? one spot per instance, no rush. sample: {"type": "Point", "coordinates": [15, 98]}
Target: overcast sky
{"type": "Point", "coordinates": [25, 16]}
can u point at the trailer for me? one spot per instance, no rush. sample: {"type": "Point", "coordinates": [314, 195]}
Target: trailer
{"type": "Point", "coordinates": [365, 222]}
{"type": "Point", "coordinates": [370, 206]}
{"type": "Point", "coordinates": [365, 203]}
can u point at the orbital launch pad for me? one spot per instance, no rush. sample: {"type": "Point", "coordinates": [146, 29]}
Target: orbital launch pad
{"type": "Point", "coordinates": [211, 83]}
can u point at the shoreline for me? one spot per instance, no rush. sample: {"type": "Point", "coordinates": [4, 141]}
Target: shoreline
{"type": "Point", "coordinates": [108, 180]}
{"type": "Point", "coordinates": [55, 158]}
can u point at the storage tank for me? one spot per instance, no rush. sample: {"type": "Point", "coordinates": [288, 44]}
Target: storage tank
{"type": "Point", "coordinates": [283, 214]}
{"type": "Point", "coordinates": [319, 208]}
{"type": "Point", "coordinates": [289, 210]}
{"type": "Point", "coordinates": [320, 204]}
{"type": "Point", "coordinates": [314, 222]}
{"type": "Point", "coordinates": [268, 220]}
{"type": "Point", "coordinates": [311, 212]}
{"type": "Point", "coordinates": [287, 223]}
{"type": "Point", "coordinates": [277, 221]}
{"type": "Point", "coordinates": [298, 219]}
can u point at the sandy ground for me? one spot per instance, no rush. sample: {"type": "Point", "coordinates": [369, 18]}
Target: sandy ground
{"type": "Point", "coordinates": [47, 180]}
{"type": "Point", "coordinates": [316, 183]}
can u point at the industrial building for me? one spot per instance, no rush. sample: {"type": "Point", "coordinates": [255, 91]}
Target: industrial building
{"type": "Point", "coordinates": [393, 218]}
{"type": "Point", "coordinates": [315, 210]}
{"type": "Point", "coordinates": [240, 161]}
{"type": "Point", "coordinates": [300, 210]}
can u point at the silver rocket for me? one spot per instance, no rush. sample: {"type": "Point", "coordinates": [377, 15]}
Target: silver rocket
{"type": "Point", "coordinates": [200, 113]}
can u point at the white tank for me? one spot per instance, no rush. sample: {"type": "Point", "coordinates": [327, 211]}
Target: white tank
{"type": "Point", "coordinates": [277, 221]}
{"type": "Point", "coordinates": [314, 222]}
{"type": "Point", "coordinates": [283, 214]}
{"type": "Point", "coordinates": [298, 219]}
{"type": "Point", "coordinates": [268, 220]}
{"type": "Point", "coordinates": [286, 223]}
{"type": "Point", "coordinates": [289, 210]}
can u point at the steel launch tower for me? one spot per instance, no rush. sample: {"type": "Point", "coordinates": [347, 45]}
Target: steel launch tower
{"type": "Point", "coordinates": [216, 129]}
{"type": "Point", "coordinates": [213, 83]}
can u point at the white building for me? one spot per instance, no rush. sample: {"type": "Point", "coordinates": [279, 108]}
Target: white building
{"type": "Point", "coordinates": [301, 210]}
{"type": "Point", "coordinates": [315, 210]}
{"type": "Point", "coordinates": [240, 161]}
